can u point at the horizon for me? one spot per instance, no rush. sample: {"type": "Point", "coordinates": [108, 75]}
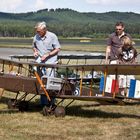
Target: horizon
{"type": "Point", "coordinates": [67, 8]}
{"type": "Point", "coordinates": [82, 6]}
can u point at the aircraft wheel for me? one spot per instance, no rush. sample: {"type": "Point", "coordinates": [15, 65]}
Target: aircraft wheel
{"type": "Point", "coordinates": [46, 111]}
{"type": "Point", "coordinates": [59, 111]}
{"type": "Point", "coordinates": [23, 106]}
{"type": "Point", "coordinates": [11, 104]}
{"type": "Point", "coordinates": [76, 92]}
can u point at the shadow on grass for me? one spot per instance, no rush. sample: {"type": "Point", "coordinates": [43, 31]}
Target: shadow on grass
{"type": "Point", "coordinates": [78, 111]}
{"type": "Point", "coordinates": [33, 106]}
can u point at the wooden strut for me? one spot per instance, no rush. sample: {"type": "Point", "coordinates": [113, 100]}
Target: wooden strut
{"type": "Point", "coordinates": [1, 92]}
{"type": "Point", "coordinates": [11, 66]}
{"type": "Point", "coordinates": [2, 67]}
{"type": "Point", "coordinates": [91, 84]}
{"type": "Point", "coordinates": [41, 84]}
{"type": "Point", "coordinates": [105, 76]}
{"type": "Point", "coordinates": [81, 82]}
{"type": "Point", "coordinates": [115, 86]}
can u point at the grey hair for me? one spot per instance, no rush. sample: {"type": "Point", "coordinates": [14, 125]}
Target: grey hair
{"type": "Point", "coordinates": [41, 25]}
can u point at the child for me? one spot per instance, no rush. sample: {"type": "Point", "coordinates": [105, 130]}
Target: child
{"type": "Point", "coordinates": [127, 53]}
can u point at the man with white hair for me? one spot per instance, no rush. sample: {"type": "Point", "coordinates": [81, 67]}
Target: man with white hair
{"type": "Point", "coordinates": [46, 47]}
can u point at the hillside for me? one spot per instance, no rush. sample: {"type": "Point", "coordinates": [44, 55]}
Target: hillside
{"type": "Point", "coordinates": [60, 19]}
{"type": "Point", "coordinates": [68, 15]}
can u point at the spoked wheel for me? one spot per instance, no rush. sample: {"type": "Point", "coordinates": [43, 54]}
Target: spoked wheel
{"type": "Point", "coordinates": [11, 104]}
{"type": "Point", "coordinates": [23, 106]}
{"type": "Point", "coordinates": [59, 111]}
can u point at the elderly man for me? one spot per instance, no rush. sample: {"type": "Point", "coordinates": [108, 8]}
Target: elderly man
{"type": "Point", "coordinates": [46, 47]}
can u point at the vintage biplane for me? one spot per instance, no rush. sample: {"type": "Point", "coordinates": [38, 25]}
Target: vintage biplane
{"type": "Point", "coordinates": [19, 76]}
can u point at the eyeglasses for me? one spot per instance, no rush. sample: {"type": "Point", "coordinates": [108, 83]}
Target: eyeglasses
{"type": "Point", "coordinates": [118, 29]}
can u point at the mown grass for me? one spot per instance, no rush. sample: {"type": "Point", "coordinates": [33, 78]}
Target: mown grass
{"type": "Point", "coordinates": [83, 120]}
{"type": "Point", "coordinates": [98, 45]}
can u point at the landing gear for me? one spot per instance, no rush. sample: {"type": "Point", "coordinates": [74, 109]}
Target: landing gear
{"type": "Point", "coordinates": [58, 111]}
{"type": "Point", "coordinates": [47, 111]}
{"type": "Point", "coordinates": [22, 105]}
{"type": "Point", "coordinates": [11, 104]}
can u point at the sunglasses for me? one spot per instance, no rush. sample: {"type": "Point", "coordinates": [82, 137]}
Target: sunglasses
{"type": "Point", "coordinates": [118, 29]}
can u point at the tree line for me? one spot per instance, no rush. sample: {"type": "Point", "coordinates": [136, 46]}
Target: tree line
{"type": "Point", "coordinates": [67, 23]}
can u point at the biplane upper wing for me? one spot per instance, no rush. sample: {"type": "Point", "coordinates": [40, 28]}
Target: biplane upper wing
{"type": "Point", "coordinates": [133, 69]}
{"type": "Point", "coordinates": [127, 69]}
{"type": "Point", "coordinates": [10, 62]}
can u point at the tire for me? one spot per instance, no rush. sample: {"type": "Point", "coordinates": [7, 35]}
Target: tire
{"type": "Point", "coordinates": [76, 91]}
{"type": "Point", "coordinates": [59, 111]}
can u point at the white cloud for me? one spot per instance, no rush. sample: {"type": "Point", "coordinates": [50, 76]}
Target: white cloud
{"type": "Point", "coordinates": [112, 2]}
{"type": "Point", "coordinates": [9, 5]}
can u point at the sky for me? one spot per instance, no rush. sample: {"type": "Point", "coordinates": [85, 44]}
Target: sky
{"type": "Point", "coordinates": [98, 6]}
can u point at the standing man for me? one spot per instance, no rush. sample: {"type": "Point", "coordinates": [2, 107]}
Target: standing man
{"type": "Point", "coordinates": [45, 47]}
{"type": "Point", "coordinates": [114, 43]}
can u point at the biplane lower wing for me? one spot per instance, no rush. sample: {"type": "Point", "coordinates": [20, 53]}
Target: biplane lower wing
{"type": "Point", "coordinates": [100, 99]}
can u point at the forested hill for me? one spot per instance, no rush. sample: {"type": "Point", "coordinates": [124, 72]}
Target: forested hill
{"type": "Point", "coordinates": [67, 22]}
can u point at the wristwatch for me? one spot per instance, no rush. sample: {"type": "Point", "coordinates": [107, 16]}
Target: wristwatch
{"type": "Point", "coordinates": [48, 53]}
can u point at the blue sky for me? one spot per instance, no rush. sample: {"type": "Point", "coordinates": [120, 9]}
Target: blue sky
{"type": "Point", "coordinates": [17, 6]}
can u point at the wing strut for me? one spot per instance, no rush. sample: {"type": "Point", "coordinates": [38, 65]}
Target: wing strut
{"type": "Point", "coordinates": [105, 76]}
{"type": "Point", "coordinates": [42, 86]}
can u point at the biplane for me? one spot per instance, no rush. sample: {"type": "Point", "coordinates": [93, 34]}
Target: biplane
{"type": "Point", "coordinates": [18, 76]}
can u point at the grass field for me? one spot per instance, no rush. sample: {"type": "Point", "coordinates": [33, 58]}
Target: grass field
{"type": "Point", "coordinates": [83, 120]}
{"type": "Point", "coordinates": [96, 45]}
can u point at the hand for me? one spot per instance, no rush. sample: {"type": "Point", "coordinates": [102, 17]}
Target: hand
{"type": "Point", "coordinates": [45, 56]}
{"type": "Point", "coordinates": [106, 61]}
{"type": "Point", "coordinates": [35, 53]}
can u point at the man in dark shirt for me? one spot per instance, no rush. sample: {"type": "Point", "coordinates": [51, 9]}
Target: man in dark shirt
{"type": "Point", "coordinates": [114, 43]}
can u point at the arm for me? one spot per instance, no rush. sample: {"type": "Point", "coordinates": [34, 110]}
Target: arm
{"type": "Point", "coordinates": [34, 47]}
{"type": "Point", "coordinates": [135, 55]}
{"type": "Point", "coordinates": [108, 48]}
{"type": "Point", "coordinates": [35, 52]}
{"type": "Point", "coordinates": [50, 54]}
